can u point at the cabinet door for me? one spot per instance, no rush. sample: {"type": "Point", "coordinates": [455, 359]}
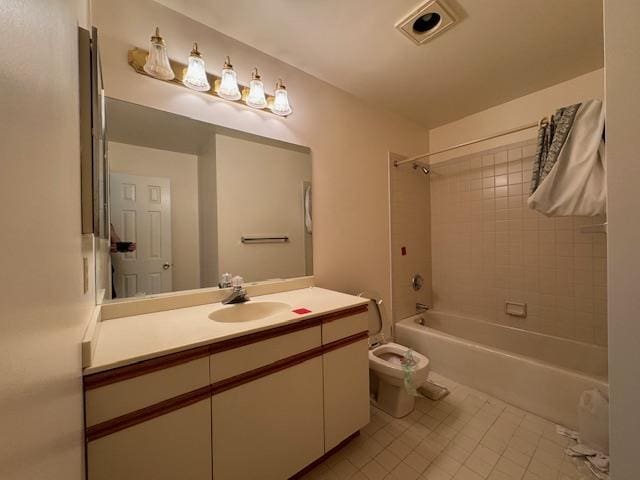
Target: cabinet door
{"type": "Point", "coordinates": [175, 445]}
{"type": "Point", "coordinates": [346, 392]}
{"type": "Point", "coordinates": [269, 428]}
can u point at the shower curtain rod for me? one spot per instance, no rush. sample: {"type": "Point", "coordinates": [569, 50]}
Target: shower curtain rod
{"type": "Point", "coordinates": [397, 163]}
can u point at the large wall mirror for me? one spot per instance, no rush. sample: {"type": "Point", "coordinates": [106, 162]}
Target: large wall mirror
{"type": "Point", "coordinates": [189, 201]}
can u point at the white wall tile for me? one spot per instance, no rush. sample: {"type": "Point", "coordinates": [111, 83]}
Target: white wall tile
{"type": "Point", "coordinates": [488, 247]}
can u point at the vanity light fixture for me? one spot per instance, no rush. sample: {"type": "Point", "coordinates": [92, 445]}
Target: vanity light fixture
{"type": "Point", "coordinates": [157, 64]}
{"type": "Point", "coordinates": [229, 83]}
{"type": "Point", "coordinates": [195, 77]}
{"type": "Point", "coordinates": [280, 105]}
{"type": "Point", "coordinates": [256, 97]}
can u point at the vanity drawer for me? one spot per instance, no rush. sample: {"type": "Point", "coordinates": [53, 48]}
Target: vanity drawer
{"type": "Point", "coordinates": [244, 358]}
{"type": "Point", "coordinates": [344, 325]}
{"type": "Point", "coordinates": [113, 395]}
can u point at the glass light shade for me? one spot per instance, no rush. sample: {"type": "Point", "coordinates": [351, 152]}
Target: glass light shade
{"type": "Point", "coordinates": [256, 97]}
{"type": "Point", "coordinates": [229, 85]}
{"type": "Point", "coordinates": [157, 64]}
{"type": "Point", "coordinates": [281, 101]}
{"type": "Point", "coordinates": [196, 76]}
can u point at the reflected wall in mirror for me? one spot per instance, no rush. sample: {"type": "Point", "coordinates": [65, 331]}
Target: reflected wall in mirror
{"type": "Point", "coordinates": [190, 201]}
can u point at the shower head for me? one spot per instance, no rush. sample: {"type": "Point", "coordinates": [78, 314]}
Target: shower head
{"type": "Point", "coordinates": [423, 168]}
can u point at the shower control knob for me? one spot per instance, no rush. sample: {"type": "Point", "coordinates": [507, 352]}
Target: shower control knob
{"type": "Point", "coordinates": [417, 281]}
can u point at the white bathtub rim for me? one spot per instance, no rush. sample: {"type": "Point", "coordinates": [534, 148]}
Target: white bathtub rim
{"type": "Point", "coordinates": [508, 327]}
{"type": "Point", "coordinates": [601, 381]}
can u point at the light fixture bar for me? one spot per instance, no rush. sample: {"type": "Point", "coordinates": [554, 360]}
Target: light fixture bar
{"type": "Point", "coordinates": [137, 57]}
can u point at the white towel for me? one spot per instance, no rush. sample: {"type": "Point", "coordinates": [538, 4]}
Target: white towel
{"type": "Point", "coordinates": [596, 472]}
{"type": "Point", "coordinates": [597, 462]}
{"type": "Point", "coordinates": [567, 432]}
{"type": "Point", "coordinates": [576, 185]}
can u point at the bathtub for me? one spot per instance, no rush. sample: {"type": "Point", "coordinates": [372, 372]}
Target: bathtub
{"type": "Point", "coordinates": [539, 373]}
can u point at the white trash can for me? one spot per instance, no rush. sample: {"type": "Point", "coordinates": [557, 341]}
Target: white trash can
{"type": "Point", "coordinates": [593, 420]}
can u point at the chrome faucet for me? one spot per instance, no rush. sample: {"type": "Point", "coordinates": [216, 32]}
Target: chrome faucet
{"type": "Point", "coordinates": [238, 294]}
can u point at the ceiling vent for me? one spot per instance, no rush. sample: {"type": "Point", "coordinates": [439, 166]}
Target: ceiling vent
{"type": "Point", "coordinates": [427, 21]}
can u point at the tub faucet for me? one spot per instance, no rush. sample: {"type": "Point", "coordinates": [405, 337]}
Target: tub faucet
{"type": "Point", "coordinates": [238, 294]}
{"type": "Point", "coordinates": [422, 307]}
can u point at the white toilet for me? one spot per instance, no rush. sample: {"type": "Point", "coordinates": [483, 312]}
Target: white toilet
{"type": "Point", "coordinates": [385, 363]}
{"type": "Point", "coordinates": [386, 372]}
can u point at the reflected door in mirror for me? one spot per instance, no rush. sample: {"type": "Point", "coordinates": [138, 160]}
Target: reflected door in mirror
{"type": "Point", "coordinates": [141, 213]}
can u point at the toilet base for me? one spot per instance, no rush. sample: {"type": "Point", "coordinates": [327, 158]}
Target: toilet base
{"type": "Point", "coordinates": [394, 400]}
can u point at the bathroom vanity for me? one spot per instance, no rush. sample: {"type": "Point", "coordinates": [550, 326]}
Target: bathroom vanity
{"type": "Point", "coordinates": [177, 385]}
{"type": "Point", "coordinates": [260, 390]}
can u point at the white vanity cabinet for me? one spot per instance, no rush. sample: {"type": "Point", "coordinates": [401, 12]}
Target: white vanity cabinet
{"type": "Point", "coordinates": [174, 445]}
{"type": "Point", "coordinates": [267, 406]}
{"type": "Point", "coordinates": [150, 421]}
{"type": "Point", "coordinates": [269, 428]}
{"type": "Point", "coordinates": [346, 392]}
{"type": "Point", "coordinates": [264, 405]}
{"type": "Point", "coordinates": [345, 365]}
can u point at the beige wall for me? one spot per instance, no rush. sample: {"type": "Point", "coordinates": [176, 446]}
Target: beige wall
{"type": "Point", "coordinates": [208, 213]}
{"type": "Point", "coordinates": [410, 228]}
{"type": "Point", "coordinates": [260, 192]}
{"type": "Point", "coordinates": [488, 247]}
{"type": "Point", "coordinates": [43, 310]}
{"type": "Point", "coordinates": [521, 111]}
{"type": "Point", "coordinates": [622, 62]}
{"type": "Point", "coordinates": [349, 140]}
{"type": "Point", "coordinates": [182, 171]}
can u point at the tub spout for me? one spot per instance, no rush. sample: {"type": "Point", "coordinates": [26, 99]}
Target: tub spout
{"type": "Point", "coordinates": [422, 307]}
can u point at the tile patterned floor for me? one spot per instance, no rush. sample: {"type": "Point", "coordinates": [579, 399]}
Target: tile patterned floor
{"type": "Point", "coordinates": [466, 436]}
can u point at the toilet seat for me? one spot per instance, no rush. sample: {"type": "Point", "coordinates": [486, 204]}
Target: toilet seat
{"type": "Point", "coordinates": [393, 369]}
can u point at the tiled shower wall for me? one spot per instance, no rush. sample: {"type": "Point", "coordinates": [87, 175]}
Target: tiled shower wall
{"type": "Point", "coordinates": [488, 247]}
{"type": "Point", "coordinates": [409, 191]}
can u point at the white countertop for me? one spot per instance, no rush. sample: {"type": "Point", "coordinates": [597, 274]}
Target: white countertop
{"type": "Point", "coordinates": [127, 340]}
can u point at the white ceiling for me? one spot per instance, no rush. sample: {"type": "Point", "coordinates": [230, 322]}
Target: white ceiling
{"type": "Point", "coordinates": [500, 49]}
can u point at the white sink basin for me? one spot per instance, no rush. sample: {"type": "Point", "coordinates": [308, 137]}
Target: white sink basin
{"type": "Point", "coordinates": [247, 312]}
